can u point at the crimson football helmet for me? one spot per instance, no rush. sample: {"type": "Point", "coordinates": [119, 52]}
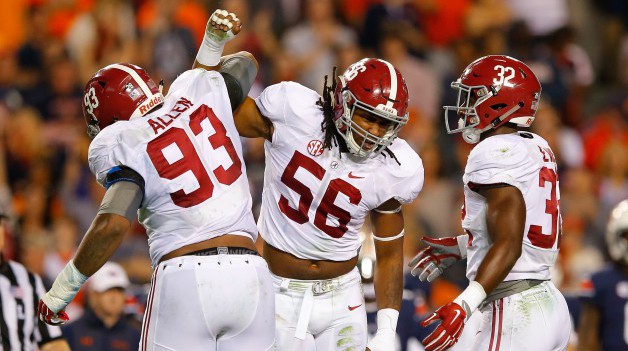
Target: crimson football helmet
{"type": "Point", "coordinates": [118, 92]}
{"type": "Point", "coordinates": [617, 233]}
{"type": "Point", "coordinates": [377, 87]}
{"type": "Point", "coordinates": [493, 90]}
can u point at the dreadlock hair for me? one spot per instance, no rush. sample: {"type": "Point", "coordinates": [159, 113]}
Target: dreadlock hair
{"type": "Point", "coordinates": [325, 103]}
{"type": "Point", "coordinates": [328, 127]}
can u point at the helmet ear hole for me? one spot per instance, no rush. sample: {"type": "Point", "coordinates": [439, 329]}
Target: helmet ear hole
{"type": "Point", "coordinates": [102, 84]}
{"type": "Point", "coordinates": [498, 107]}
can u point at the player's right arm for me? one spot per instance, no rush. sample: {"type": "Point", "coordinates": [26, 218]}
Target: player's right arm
{"type": "Point", "coordinates": [588, 329]}
{"type": "Point", "coordinates": [125, 192]}
{"type": "Point", "coordinates": [264, 116]}
{"type": "Point", "coordinates": [238, 70]}
{"type": "Point", "coordinates": [250, 121]}
{"type": "Point", "coordinates": [505, 220]}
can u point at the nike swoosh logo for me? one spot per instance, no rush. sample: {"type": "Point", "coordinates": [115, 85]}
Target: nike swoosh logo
{"type": "Point", "coordinates": [457, 315]}
{"type": "Point", "coordinates": [351, 175]}
{"type": "Point", "coordinates": [351, 308]}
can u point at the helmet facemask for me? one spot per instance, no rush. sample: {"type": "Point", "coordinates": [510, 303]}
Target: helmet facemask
{"type": "Point", "coordinates": [464, 115]}
{"type": "Point", "coordinates": [617, 234]}
{"type": "Point", "coordinates": [347, 127]}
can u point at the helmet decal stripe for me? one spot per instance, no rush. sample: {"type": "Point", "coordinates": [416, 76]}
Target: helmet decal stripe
{"type": "Point", "coordinates": [393, 83]}
{"type": "Point", "coordinates": [140, 82]}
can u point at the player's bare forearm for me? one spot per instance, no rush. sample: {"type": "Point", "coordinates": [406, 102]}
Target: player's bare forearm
{"type": "Point", "coordinates": [102, 239]}
{"type": "Point", "coordinates": [389, 252]}
{"type": "Point", "coordinates": [389, 274]}
{"type": "Point", "coordinates": [499, 260]}
{"type": "Point", "coordinates": [505, 220]}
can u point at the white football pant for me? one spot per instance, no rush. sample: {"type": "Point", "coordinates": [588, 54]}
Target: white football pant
{"type": "Point", "coordinates": [320, 315]}
{"type": "Point", "coordinates": [536, 319]}
{"type": "Point", "coordinates": [210, 303]}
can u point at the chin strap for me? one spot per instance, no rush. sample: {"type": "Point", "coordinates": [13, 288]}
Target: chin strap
{"type": "Point", "coordinates": [472, 135]}
{"type": "Point", "coordinates": [92, 128]}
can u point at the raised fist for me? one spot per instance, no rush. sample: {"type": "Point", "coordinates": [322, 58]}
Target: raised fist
{"type": "Point", "coordinates": [223, 26]}
{"type": "Point", "coordinates": [47, 316]}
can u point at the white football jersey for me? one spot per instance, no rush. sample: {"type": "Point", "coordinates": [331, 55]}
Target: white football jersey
{"type": "Point", "coordinates": [315, 200]}
{"type": "Point", "coordinates": [523, 160]}
{"type": "Point", "coordinates": [190, 157]}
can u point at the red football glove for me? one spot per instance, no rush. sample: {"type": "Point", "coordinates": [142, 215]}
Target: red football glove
{"type": "Point", "coordinates": [452, 318]}
{"type": "Point", "coordinates": [47, 316]}
{"type": "Point", "coordinates": [439, 254]}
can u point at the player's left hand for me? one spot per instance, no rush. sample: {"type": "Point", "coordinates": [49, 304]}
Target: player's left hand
{"type": "Point", "coordinates": [48, 316]}
{"type": "Point", "coordinates": [438, 255]}
{"type": "Point", "coordinates": [452, 318]}
{"type": "Point", "coordinates": [384, 340]}
{"type": "Point", "coordinates": [223, 26]}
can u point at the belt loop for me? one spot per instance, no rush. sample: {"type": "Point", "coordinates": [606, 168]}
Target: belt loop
{"type": "Point", "coordinates": [284, 285]}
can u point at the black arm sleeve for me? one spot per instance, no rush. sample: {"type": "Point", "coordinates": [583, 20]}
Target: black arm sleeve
{"type": "Point", "coordinates": [123, 173]}
{"type": "Point", "coordinates": [239, 72]}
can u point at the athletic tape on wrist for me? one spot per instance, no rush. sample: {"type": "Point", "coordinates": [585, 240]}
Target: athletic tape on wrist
{"type": "Point", "coordinates": [471, 297]}
{"type": "Point", "coordinates": [387, 319]}
{"type": "Point", "coordinates": [210, 52]}
{"type": "Point", "coordinates": [65, 287]}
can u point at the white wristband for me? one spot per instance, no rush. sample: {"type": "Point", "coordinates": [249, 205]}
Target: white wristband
{"type": "Point", "coordinates": [387, 319]}
{"type": "Point", "coordinates": [471, 298]}
{"type": "Point", "coordinates": [65, 287]}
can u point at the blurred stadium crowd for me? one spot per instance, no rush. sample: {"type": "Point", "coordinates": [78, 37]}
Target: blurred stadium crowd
{"type": "Point", "coordinates": [578, 49]}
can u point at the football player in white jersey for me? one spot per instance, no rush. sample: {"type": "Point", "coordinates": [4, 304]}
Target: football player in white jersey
{"type": "Point", "coordinates": [511, 216]}
{"type": "Point", "coordinates": [332, 161]}
{"type": "Point", "coordinates": [176, 162]}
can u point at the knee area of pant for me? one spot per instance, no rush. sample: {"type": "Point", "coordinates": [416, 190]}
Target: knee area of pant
{"type": "Point", "coordinates": [350, 337]}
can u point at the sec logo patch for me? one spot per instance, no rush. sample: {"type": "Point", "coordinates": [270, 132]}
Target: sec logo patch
{"type": "Point", "coordinates": [315, 147]}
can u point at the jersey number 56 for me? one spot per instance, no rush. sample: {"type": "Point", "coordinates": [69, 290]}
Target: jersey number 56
{"type": "Point", "coordinates": [326, 206]}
